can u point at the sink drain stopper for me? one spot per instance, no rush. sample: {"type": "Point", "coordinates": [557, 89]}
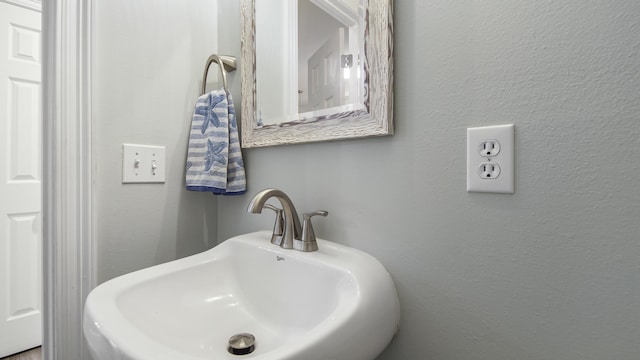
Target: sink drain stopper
{"type": "Point", "coordinates": [242, 344]}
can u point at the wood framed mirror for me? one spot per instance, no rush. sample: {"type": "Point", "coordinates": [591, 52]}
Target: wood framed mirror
{"type": "Point", "coordinates": [316, 70]}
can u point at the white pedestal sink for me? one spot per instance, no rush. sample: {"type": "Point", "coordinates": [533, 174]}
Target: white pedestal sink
{"type": "Point", "coordinates": [337, 303]}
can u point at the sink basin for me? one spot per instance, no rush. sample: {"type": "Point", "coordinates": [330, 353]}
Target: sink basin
{"type": "Point", "coordinates": [337, 303]}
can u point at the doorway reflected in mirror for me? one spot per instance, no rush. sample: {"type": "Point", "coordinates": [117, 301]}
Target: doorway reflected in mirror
{"type": "Point", "coordinates": [328, 54]}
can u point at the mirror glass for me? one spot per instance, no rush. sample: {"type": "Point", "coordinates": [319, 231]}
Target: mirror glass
{"type": "Point", "coordinates": [308, 67]}
{"type": "Point", "coordinates": [310, 50]}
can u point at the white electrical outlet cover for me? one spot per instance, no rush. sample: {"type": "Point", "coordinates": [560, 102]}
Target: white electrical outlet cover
{"type": "Point", "coordinates": [501, 137]}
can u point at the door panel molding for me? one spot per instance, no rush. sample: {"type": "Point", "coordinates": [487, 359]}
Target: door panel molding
{"type": "Point", "coordinates": [28, 4]}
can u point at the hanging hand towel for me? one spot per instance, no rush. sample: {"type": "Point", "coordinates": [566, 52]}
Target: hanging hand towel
{"type": "Point", "coordinates": [214, 159]}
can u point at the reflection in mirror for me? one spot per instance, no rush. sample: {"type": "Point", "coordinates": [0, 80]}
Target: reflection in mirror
{"type": "Point", "coordinates": [328, 54]}
{"type": "Point", "coordinates": [308, 67]}
{"type": "Point", "coordinates": [311, 52]}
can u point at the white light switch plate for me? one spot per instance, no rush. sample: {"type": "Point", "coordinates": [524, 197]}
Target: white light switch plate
{"type": "Point", "coordinates": [490, 159]}
{"type": "Point", "coordinates": [143, 163]}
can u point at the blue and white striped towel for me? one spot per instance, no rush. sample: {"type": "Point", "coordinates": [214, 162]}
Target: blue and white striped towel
{"type": "Point", "coordinates": [214, 159]}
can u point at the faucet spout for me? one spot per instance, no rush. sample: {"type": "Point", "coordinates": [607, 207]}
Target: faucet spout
{"type": "Point", "coordinates": [292, 228]}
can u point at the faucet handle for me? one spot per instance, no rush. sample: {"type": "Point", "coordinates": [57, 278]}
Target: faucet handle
{"type": "Point", "coordinates": [278, 226]}
{"type": "Point", "coordinates": [308, 242]}
{"type": "Point", "coordinates": [307, 216]}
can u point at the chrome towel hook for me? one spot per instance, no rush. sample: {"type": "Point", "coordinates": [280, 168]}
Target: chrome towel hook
{"type": "Point", "coordinates": [226, 64]}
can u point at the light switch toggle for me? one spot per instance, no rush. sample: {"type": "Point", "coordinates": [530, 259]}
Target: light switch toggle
{"type": "Point", "coordinates": [143, 163]}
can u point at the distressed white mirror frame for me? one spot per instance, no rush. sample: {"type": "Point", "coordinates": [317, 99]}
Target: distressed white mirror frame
{"type": "Point", "coordinates": [375, 120]}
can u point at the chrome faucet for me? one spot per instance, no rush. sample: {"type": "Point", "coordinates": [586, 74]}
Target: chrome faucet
{"type": "Point", "coordinates": [290, 235]}
{"type": "Point", "coordinates": [292, 229]}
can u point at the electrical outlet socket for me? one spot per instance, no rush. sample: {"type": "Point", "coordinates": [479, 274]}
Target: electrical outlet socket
{"type": "Point", "coordinates": [490, 159]}
{"type": "Point", "coordinates": [489, 148]}
{"type": "Point", "coordinates": [489, 170]}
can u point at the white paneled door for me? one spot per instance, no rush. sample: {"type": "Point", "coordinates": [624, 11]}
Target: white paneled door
{"type": "Point", "coordinates": [20, 177]}
{"type": "Point", "coordinates": [326, 81]}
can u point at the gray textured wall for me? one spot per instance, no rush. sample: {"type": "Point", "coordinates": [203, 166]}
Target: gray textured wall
{"type": "Point", "coordinates": [551, 272]}
{"type": "Point", "coordinates": [148, 59]}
